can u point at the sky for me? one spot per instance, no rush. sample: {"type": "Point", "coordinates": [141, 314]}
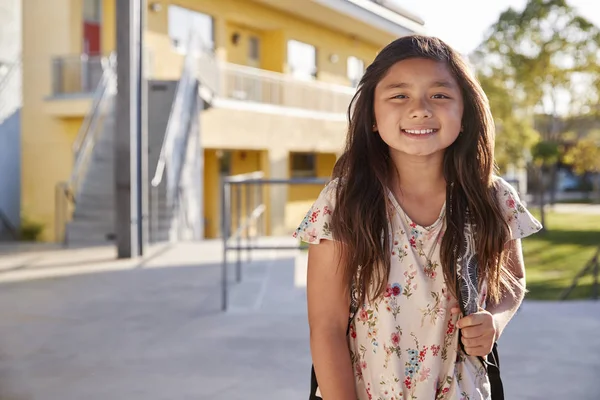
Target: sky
{"type": "Point", "coordinates": [463, 23]}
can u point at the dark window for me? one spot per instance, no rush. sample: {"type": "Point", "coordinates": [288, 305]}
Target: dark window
{"type": "Point", "coordinates": [304, 165]}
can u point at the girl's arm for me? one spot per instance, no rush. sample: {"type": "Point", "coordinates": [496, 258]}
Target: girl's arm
{"type": "Point", "coordinates": [328, 309]}
{"type": "Point", "coordinates": [507, 307]}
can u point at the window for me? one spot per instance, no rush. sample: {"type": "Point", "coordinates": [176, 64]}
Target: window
{"type": "Point", "coordinates": [183, 21]}
{"type": "Point", "coordinates": [92, 10]}
{"type": "Point", "coordinates": [355, 70]}
{"type": "Point", "coordinates": [254, 51]}
{"type": "Point", "coordinates": [302, 59]}
{"type": "Point", "coordinates": [303, 165]}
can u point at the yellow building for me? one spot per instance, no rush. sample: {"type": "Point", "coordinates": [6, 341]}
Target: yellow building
{"type": "Point", "coordinates": [286, 71]}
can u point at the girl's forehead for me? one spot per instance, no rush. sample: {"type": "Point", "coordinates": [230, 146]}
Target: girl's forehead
{"type": "Point", "coordinates": [406, 72]}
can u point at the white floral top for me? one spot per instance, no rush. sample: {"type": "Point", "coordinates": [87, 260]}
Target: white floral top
{"type": "Point", "coordinates": [405, 346]}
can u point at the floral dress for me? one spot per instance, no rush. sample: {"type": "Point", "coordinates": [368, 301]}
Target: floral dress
{"type": "Point", "coordinates": [405, 345]}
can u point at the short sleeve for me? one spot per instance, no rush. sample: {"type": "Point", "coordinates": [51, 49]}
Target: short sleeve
{"type": "Point", "coordinates": [518, 218]}
{"type": "Point", "coordinates": [316, 224]}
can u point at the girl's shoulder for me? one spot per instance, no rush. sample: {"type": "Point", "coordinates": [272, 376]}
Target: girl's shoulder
{"type": "Point", "coordinates": [518, 218]}
{"type": "Point", "coordinates": [316, 224]}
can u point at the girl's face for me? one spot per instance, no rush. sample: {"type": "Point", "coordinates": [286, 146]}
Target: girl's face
{"type": "Point", "coordinates": [418, 107]}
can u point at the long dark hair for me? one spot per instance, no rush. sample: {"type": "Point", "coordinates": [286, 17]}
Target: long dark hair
{"type": "Point", "coordinates": [360, 219]}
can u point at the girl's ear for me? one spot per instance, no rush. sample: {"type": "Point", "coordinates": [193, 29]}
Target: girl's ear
{"type": "Point", "coordinates": [374, 127]}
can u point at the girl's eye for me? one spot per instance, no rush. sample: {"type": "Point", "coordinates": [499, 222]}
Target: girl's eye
{"type": "Point", "coordinates": [399, 96]}
{"type": "Point", "coordinates": [440, 96]}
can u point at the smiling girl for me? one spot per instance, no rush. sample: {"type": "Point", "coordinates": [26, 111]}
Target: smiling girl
{"type": "Point", "coordinates": [412, 206]}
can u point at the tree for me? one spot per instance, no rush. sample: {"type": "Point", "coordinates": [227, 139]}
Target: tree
{"type": "Point", "coordinates": [514, 135]}
{"type": "Point", "coordinates": [585, 157]}
{"type": "Point", "coordinates": [547, 58]}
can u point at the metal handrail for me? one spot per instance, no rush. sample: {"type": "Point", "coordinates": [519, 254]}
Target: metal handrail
{"type": "Point", "coordinates": [83, 146]}
{"type": "Point", "coordinates": [108, 65]}
{"type": "Point", "coordinates": [174, 122]}
{"type": "Point", "coordinates": [11, 70]}
{"type": "Point", "coordinates": [92, 125]}
{"type": "Point", "coordinates": [173, 157]}
{"type": "Point", "coordinates": [6, 80]}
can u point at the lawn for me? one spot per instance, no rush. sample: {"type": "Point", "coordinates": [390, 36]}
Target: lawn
{"type": "Point", "coordinates": [553, 258]}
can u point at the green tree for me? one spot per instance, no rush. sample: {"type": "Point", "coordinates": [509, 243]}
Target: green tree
{"type": "Point", "coordinates": [542, 56]}
{"type": "Point", "coordinates": [514, 133]}
{"type": "Point", "coordinates": [585, 157]}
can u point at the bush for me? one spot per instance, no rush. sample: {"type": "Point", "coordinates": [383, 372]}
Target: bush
{"type": "Point", "coordinates": [30, 231]}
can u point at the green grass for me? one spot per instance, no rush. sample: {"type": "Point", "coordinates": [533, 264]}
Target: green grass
{"type": "Point", "coordinates": [554, 257]}
{"type": "Point", "coordinates": [577, 201]}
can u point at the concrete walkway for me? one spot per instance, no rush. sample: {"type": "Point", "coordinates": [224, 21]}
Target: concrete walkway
{"type": "Point", "coordinates": [77, 325]}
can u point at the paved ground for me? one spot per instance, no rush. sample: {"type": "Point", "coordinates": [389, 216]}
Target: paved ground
{"type": "Point", "coordinates": [77, 325]}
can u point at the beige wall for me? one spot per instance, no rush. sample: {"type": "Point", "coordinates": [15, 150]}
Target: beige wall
{"type": "Point", "coordinates": [50, 28]}
{"type": "Point", "coordinates": [273, 27]}
{"type": "Point", "coordinates": [230, 129]}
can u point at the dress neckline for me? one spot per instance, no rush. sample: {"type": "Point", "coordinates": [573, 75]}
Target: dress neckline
{"type": "Point", "coordinates": [413, 224]}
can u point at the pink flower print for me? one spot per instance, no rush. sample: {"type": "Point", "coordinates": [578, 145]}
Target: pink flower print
{"type": "Point", "coordinates": [327, 211]}
{"type": "Point", "coordinates": [363, 365]}
{"type": "Point", "coordinates": [363, 315]}
{"type": "Point", "coordinates": [450, 330]}
{"type": "Point", "coordinates": [408, 382]}
{"type": "Point", "coordinates": [413, 242]}
{"type": "Point", "coordinates": [413, 225]}
{"type": "Point", "coordinates": [422, 354]}
{"type": "Point", "coordinates": [295, 235]}
{"type": "Point", "coordinates": [352, 332]}
{"type": "Point", "coordinates": [388, 291]}
{"type": "Point", "coordinates": [510, 203]}
{"type": "Point", "coordinates": [314, 216]}
{"type": "Point", "coordinates": [312, 235]}
{"type": "Point", "coordinates": [395, 339]}
{"type": "Point", "coordinates": [435, 349]}
{"type": "Point", "coordinates": [359, 373]}
{"type": "Point", "coordinates": [424, 374]}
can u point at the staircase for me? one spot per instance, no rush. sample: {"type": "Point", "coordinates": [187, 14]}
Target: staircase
{"type": "Point", "coordinates": [172, 130]}
{"type": "Point", "coordinates": [94, 215]}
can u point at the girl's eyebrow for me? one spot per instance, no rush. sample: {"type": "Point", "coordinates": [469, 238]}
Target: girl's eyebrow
{"type": "Point", "coordinates": [405, 85]}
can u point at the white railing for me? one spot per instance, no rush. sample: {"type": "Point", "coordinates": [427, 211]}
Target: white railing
{"type": "Point", "coordinates": [92, 125]}
{"type": "Point", "coordinates": [10, 89]}
{"type": "Point", "coordinates": [249, 84]}
{"type": "Point", "coordinates": [176, 157]}
{"type": "Point", "coordinates": [83, 147]}
{"type": "Point", "coordinates": [76, 74]}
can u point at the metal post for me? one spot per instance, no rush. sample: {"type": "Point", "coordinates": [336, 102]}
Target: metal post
{"type": "Point", "coordinates": [595, 285]}
{"type": "Point", "coordinates": [225, 234]}
{"type": "Point", "coordinates": [238, 204]}
{"type": "Point", "coordinates": [128, 134]}
{"type": "Point", "coordinates": [84, 73]}
{"type": "Point", "coordinates": [249, 209]}
{"type": "Point", "coordinates": [143, 192]}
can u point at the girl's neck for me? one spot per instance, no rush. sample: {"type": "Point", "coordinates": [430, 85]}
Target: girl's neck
{"type": "Point", "coordinates": [418, 176]}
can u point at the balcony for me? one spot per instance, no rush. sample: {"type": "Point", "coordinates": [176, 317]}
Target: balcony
{"type": "Point", "coordinates": [253, 85]}
{"type": "Point", "coordinates": [76, 75]}
{"type": "Point", "coordinates": [233, 86]}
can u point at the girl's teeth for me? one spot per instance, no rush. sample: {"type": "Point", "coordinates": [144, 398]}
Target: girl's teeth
{"type": "Point", "coordinates": [419, 131]}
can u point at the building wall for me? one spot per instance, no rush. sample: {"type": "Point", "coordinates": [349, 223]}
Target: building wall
{"type": "Point", "coordinates": [50, 28]}
{"type": "Point", "coordinates": [273, 27]}
{"type": "Point", "coordinates": [49, 125]}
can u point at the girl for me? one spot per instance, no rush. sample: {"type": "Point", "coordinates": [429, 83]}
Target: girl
{"type": "Point", "coordinates": [412, 200]}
